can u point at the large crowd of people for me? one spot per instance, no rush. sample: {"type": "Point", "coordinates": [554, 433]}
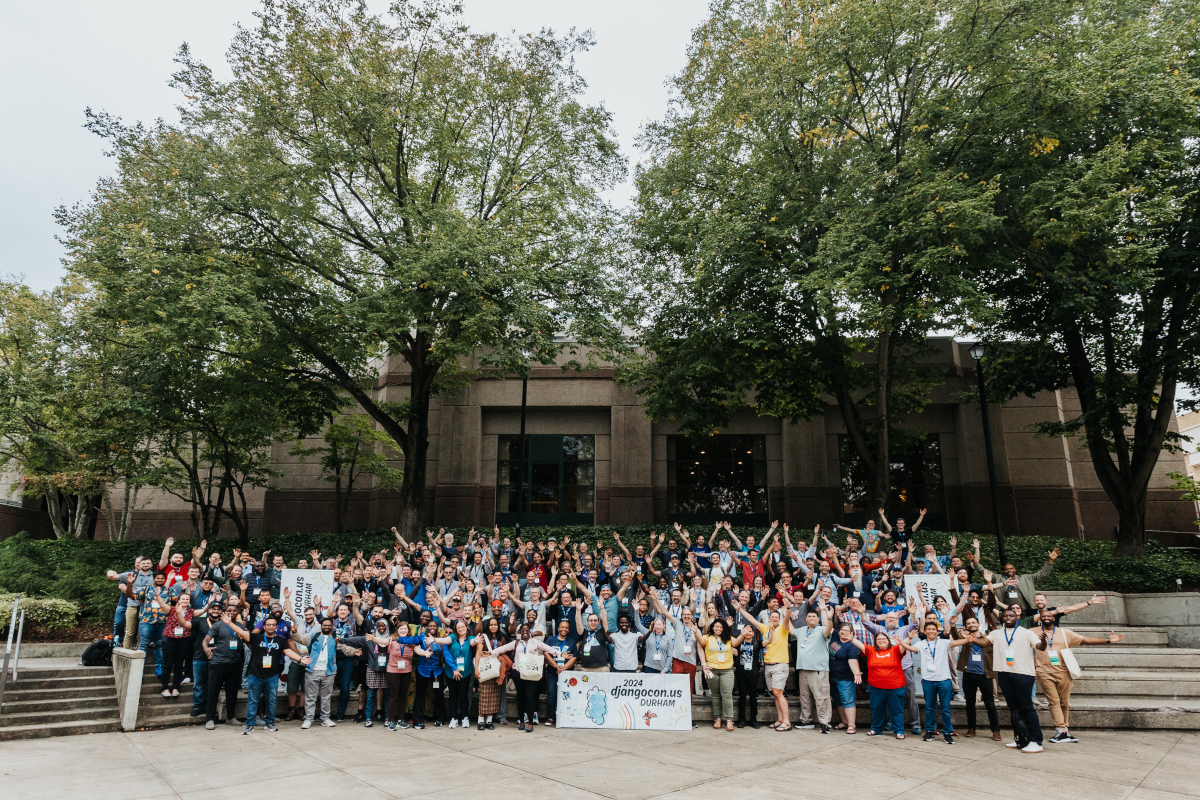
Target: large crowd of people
{"type": "Point", "coordinates": [435, 632]}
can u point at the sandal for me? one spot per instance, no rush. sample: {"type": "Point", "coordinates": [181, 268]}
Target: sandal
{"type": "Point", "coordinates": [872, 733]}
{"type": "Point", "coordinates": [784, 730]}
{"type": "Point", "coordinates": [729, 725]}
{"type": "Point", "coordinates": [851, 730]}
{"type": "Point", "coordinates": [774, 725]}
{"type": "Point", "coordinates": [840, 726]}
{"type": "Point", "coordinates": [899, 735]}
{"type": "Point", "coordinates": [717, 724]}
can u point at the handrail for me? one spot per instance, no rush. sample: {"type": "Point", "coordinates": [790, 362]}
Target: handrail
{"type": "Point", "coordinates": [17, 627]}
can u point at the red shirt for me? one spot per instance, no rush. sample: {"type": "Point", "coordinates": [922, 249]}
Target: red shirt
{"type": "Point", "coordinates": [176, 574]}
{"type": "Point", "coordinates": [883, 668]}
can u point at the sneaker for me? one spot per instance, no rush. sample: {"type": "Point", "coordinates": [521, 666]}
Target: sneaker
{"type": "Point", "coordinates": [480, 724]}
{"type": "Point", "coordinates": [249, 730]}
{"type": "Point", "coordinates": [466, 723]}
{"type": "Point", "coordinates": [401, 724]}
{"type": "Point", "coordinates": [419, 726]}
{"type": "Point", "coordinates": [359, 717]}
{"type": "Point", "coordinates": [340, 718]}
{"type": "Point", "coordinates": [195, 712]}
{"type": "Point", "coordinates": [806, 726]}
{"type": "Point", "coordinates": [453, 724]}
{"type": "Point", "coordinates": [928, 737]}
{"type": "Point", "coordinates": [491, 727]}
{"type": "Point", "coordinates": [1071, 738]}
{"type": "Point", "coordinates": [208, 726]}
{"type": "Point", "coordinates": [166, 692]}
{"type": "Point", "coordinates": [535, 721]}
{"type": "Point", "coordinates": [1032, 747]}
{"type": "Point", "coordinates": [391, 726]}
{"type": "Point", "coordinates": [740, 724]}
{"type": "Point", "coordinates": [437, 723]}
{"type": "Point", "coordinates": [233, 723]}
{"type": "Point", "coordinates": [948, 739]}
{"type": "Point", "coordinates": [306, 724]}
{"type": "Point", "coordinates": [270, 726]}
{"type": "Point", "coordinates": [960, 697]}
{"type": "Point", "coordinates": [368, 724]}
{"type": "Point", "coordinates": [824, 729]}
{"type": "Point", "coordinates": [1058, 738]}
{"type": "Point", "coordinates": [1013, 745]}
{"type": "Point", "coordinates": [328, 723]}
{"type": "Point", "coordinates": [754, 724]}
{"type": "Point", "coordinates": [185, 681]}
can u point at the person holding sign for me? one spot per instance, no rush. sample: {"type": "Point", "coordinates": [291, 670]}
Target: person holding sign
{"type": "Point", "coordinates": [1012, 659]}
{"type": "Point", "coordinates": [1054, 664]}
{"type": "Point", "coordinates": [934, 653]}
{"type": "Point", "coordinates": [528, 660]}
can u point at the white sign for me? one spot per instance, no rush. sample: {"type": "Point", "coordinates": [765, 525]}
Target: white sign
{"type": "Point", "coordinates": [627, 701]}
{"type": "Point", "coordinates": [936, 585]}
{"type": "Point", "coordinates": [305, 584]}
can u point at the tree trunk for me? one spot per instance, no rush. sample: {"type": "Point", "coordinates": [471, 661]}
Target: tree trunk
{"type": "Point", "coordinates": [416, 450]}
{"type": "Point", "coordinates": [1131, 530]}
{"type": "Point", "coordinates": [881, 483]}
{"type": "Point", "coordinates": [338, 522]}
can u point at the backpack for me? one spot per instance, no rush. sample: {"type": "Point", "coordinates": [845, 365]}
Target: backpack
{"type": "Point", "coordinates": [98, 653]}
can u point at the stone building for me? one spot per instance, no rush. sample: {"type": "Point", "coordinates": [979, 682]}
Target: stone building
{"type": "Point", "coordinates": [594, 458]}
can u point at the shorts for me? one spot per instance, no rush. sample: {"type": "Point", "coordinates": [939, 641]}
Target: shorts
{"type": "Point", "coordinates": [295, 677]}
{"type": "Point", "coordinates": [776, 675]}
{"type": "Point", "coordinates": [842, 693]}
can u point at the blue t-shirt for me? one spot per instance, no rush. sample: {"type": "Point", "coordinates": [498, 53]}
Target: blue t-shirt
{"type": "Point", "coordinates": [566, 647]}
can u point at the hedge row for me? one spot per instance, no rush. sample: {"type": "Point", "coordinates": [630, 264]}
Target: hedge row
{"type": "Point", "coordinates": [40, 612]}
{"type": "Point", "coordinates": [74, 570]}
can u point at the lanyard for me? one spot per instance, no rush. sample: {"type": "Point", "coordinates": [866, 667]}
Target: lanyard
{"type": "Point", "coordinates": [1050, 640]}
{"type": "Point", "coordinates": [931, 648]}
{"type": "Point", "coordinates": [1009, 639]}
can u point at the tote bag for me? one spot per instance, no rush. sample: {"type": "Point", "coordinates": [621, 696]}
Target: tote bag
{"type": "Point", "coordinates": [1072, 665]}
{"type": "Point", "coordinates": [489, 667]}
{"type": "Point", "coordinates": [530, 666]}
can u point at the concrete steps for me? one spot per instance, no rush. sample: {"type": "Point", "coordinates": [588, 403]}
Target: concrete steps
{"type": "Point", "coordinates": [1134, 637]}
{"type": "Point", "coordinates": [1120, 657]}
{"type": "Point", "coordinates": [59, 700]}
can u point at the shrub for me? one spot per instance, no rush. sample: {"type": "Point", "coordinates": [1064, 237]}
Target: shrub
{"type": "Point", "coordinates": [40, 612]}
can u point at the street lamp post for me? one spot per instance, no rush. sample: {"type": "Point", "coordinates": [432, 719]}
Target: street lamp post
{"type": "Point", "coordinates": [976, 353]}
{"type": "Point", "coordinates": [521, 457]}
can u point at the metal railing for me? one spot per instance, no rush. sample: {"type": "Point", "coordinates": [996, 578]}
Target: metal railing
{"type": "Point", "coordinates": [12, 650]}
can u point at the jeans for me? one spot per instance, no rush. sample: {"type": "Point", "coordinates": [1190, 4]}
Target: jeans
{"type": "Point", "coordinates": [1018, 694]}
{"type": "Point", "coordinates": [937, 694]}
{"type": "Point", "coordinates": [227, 676]}
{"type": "Point", "coordinates": [887, 707]}
{"type": "Point", "coordinates": [150, 634]}
{"type": "Point", "coordinates": [174, 652]}
{"type": "Point", "coordinates": [119, 626]}
{"type": "Point", "coordinates": [268, 690]}
{"type": "Point", "coordinates": [972, 681]}
{"type": "Point", "coordinates": [551, 693]}
{"type": "Point", "coordinates": [199, 685]}
{"type": "Point", "coordinates": [345, 683]}
{"type": "Point", "coordinates": [383, 704]}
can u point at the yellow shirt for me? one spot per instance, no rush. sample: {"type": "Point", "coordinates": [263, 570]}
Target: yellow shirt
{"type": "Point", "coordinates": [717, 654]}
{"type": "Point", "coordinates": [775, 644]}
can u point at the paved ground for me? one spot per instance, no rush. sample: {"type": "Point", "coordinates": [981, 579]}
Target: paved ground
{"type": "Point", "coordinates": [351, 761]}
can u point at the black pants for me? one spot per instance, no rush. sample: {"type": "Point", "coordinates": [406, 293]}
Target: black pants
{"type": "Point", "coordinates": [460, 698]}
{"type": "Point", "coordinates": [745, 682]}
{"type": "Point", "coordinates": [175, 654]}
{"type": "Point", "coordinates": [527, 697]}
{"type": "Point", "coordinates": [229, 677]}
{"type": "Point", "coordinates": [398, 695]}
{"type": "Point", "coordinates": [970, 682]}
{"type": "Point", "coordinates": [1018, 694]}
{"type": "Point", "coordinates": [439, 698]}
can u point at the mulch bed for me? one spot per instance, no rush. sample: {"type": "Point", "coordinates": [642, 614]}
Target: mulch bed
{"type": "Point", "coordinates": [87, 632]}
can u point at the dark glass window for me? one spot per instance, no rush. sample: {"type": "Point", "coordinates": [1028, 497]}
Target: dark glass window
{"type": "Point", "coordinates": [717, 478]}
{"type": "Point", "coordinates": [916, 484]}
{"type": "Point", "coordinates": [559, 486]}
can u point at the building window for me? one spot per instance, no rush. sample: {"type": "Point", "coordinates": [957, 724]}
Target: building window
{"type": "Point", "coordinates": [717, 478]}
{"type": "Point", "coordinates": [916, 484]}
{"type": "Point", "coordinates": [559, 485]}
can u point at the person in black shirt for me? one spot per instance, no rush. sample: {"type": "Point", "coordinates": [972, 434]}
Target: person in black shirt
{"type": "Point", "coordinates": [267, 649]}
{"type": "Point", "coordinates": [223, 647]}
{"type": "Point", "coordinates": [200, 627]}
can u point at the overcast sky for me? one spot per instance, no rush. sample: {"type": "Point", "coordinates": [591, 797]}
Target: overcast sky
{"type": "Point", "coordinates": [62, 56]}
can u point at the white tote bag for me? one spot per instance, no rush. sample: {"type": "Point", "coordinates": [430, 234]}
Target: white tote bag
{"type": "Point", "coordinates": [489, 667]}
{"type": "Point", "coordinates": [530, 666]}
{"type": "Point", "coordinates": [1072, 665]}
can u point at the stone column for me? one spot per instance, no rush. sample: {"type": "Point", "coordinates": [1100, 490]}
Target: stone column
{"type": "Point", "coordinates": [128, 666]}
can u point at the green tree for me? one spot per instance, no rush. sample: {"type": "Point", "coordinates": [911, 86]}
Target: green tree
{"type": "Point", "coordinates": [1095, 283]}
{"type": "Point", "coordinates": [379, 192]}
{"type": "Point", "coordinates": [350, 451]}
{"type": "Point", "coordinates": [805, 214]}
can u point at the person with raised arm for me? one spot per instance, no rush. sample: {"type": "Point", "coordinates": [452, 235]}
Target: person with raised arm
{"type": "Point", "coordinates": [1053, 672]}
{"type": "Point", "coordinates": [886, 681]}
{"type": "Point", "coordinates": [812, 664]}
{"type": "Point", "coordinates": [934, 652]}
{"type": "Point", "coordinates": [1013, 661]}
{"type": "Point", "coordinates": [524, 646]}
{"type": "Point", "coordinates": [774, 634]}
{"type": "Point", "coordinates": [903, 533]}
{"type": "Point", "coordinates": [719, 648]}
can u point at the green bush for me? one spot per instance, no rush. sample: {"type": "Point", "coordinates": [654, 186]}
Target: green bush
{"type": "Point", "coordinates": [73, 570]}
{"type": "Point", "coordinates": [40, 612]}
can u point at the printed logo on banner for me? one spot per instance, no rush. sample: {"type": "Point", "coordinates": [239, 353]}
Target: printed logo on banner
{"type": "Point", "coordinates": [936, 585]}
{"type": "Point", "coordinates": [305, 584]}
{"type": "Point", "coordinates": [618, 701]}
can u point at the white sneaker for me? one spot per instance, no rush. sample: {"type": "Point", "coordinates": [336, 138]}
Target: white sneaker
{"type": "Point", "coordinates": [306, 724]}
{"type": "Point", "coordinates": [1013, 745]}
{"type": "Point", "coordinates": [1032, 747]}
{"type": "Point", "coordinates": [535, 721]}
{"type": "Point", "coordinates": [961, 698]}
{"type": "Point", "coordinates": [453, 724]}
{"type": "Point", "coordinates": [328, 723]}
{"type": "Point", "coordinates": [466, 723]}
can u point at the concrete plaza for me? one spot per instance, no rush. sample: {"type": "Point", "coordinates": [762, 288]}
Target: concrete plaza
{"type": "Point", "coordinates": [350, 761]}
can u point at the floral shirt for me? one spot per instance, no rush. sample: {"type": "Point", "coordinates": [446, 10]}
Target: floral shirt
{"type": "Point", "coordinates": [149, 611]}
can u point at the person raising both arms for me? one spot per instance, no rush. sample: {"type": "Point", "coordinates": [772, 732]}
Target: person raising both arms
{"type": "Point", "coordinates": [1012, 659]}
{"type": "Point", "coordinates": [934, 653]}
{"type": "Point", "coordinates": [775, 659]}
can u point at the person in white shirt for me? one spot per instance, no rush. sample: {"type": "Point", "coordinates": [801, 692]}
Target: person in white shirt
{"type": "Point", "coordinates": [935, 677]}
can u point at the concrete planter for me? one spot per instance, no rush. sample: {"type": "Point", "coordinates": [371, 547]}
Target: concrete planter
{"type": "Point", "coordinates": [1176, 612]}
{"type": "Point", "coordinates": [128, 666]}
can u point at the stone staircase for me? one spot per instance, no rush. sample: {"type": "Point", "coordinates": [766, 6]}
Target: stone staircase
{"type": "Point", "coordinates": [59, 700]}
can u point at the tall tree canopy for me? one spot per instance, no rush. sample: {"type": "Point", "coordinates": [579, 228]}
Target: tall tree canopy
{"type": "Point", "coordinates": [807, 209]}
{"type": "Point", "coordinates": [1095, 282]}
{"type": "Point", "coordinates": [369, 192]}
